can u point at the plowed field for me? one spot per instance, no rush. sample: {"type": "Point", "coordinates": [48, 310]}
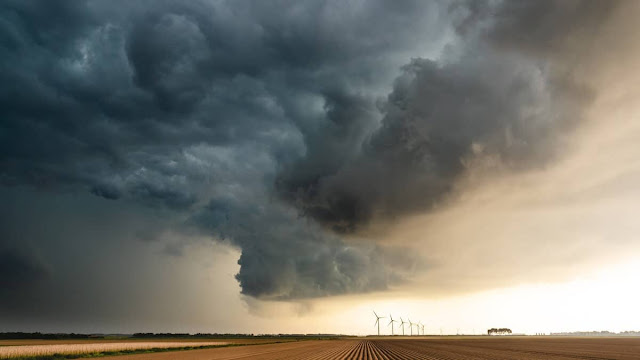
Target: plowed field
{"type": "Point", "coordinates": [430, 348]}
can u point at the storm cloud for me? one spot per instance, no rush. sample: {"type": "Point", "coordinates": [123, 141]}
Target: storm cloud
{"type": "Point", "coordinates": [283, 128]}
{"type": "Point", "coordinates": [487, 97]}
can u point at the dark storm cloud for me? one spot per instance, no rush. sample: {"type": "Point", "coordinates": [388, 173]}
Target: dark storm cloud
{"type": "Point", "coordinates": [307, 261]}
{"type": "Point", "coordinates": [185, 105]}
{"type": "Point", "coordinates": [438, 116]}
{"type": "Point", "coordinates": [261, 123]}
{"type": "Point", "coordinates": [504, 92]}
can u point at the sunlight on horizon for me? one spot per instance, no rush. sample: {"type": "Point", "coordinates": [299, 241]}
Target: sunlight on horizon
{"type": "Point", "coordinates": [604, 300]}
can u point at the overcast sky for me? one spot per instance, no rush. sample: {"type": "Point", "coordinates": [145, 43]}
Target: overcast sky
{"type": "Point", "coordinates": [262, 166]}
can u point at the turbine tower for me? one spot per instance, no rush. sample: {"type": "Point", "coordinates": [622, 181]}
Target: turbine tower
{"type": "Point", "coordinates": [410, 326]}
{"type": "Point", "coordinates": [422, 330]}
{"type": "Point", "coordinates": [402, 322]}
{"type": "Point", "coordinates": [391, 323]}
{"type": "Point", "coordinates": [378, 321]}
{"type": "Point", "coordinates": [419, 327]}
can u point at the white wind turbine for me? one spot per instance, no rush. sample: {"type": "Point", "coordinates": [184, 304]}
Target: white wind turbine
{"type": "Point", "coordinates": [420, 326]}
{"type": "Point", "coordinates": [378, 321]}
{"type": "Point", "coordinates": [402, 322]}
{"type": "Point", "coordinates": [411, 326]}
{"type": "Point", "coordinates": [391, 323]}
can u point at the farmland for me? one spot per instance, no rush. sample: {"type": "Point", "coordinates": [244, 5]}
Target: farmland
{"type": "Point", "coordinates": [93, 347]}
{"type": "Point", "coordinates": [185, 342]}
{"type": "Point", "coordinates": [378, 348]}
{"type": "Point", "coordinates": [427, 348]}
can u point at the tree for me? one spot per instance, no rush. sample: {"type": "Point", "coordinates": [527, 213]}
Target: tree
{"type": "Point", "coordinates": [500, 331]}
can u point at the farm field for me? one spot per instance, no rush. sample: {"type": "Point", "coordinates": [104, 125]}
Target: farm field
{"type": "Point", "coordinates": [89, 347]}
{"type": "Point", "coordinates": [187, 341]}
{"type": "Point", "coordinates": [427, 348]}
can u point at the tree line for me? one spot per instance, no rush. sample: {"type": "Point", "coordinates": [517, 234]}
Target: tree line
{"type": "Point", "coordinates": [499, 331]}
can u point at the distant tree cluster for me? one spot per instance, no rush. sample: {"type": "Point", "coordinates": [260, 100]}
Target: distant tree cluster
{"type": "Point", "coordinates": [500, 331]}
{"type": "Point", "coordinates": [163, 335]}
{"type": "Point", "coordinates": [39, 335]}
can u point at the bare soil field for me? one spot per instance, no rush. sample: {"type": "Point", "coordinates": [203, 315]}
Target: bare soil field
{"type": "Point", "coordinates": [513, 348]}
{"type": "Point", "coordinates": [426, 348]}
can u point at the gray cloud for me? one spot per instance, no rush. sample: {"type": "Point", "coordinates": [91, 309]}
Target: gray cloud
{"type": "Point", "coordinates": [266, 124]}
{"type": "Point", "coordinates": [479, 100]}
{"type": "Point", "coordinates": [547, 27]}
{"type": "Point", "coordinates": [286, 257]}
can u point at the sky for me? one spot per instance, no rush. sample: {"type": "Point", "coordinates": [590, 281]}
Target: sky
{"type": "Point", "coordinates": [289, 167]}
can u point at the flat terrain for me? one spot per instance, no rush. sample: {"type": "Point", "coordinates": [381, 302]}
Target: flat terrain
{"type": "Point", "coordinates": [428, 348]}
{"type": "Point", "coordinates": [102, 341]}
{"type": "Point", "coordinates": [93, 348]}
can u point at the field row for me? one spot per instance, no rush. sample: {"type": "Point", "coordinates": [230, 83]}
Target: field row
{"type": "Point", "coordinates": [421, 349]}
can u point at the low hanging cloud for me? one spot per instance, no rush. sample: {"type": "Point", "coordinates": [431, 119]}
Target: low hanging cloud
{"type": "Point", "coordinates": [279, 127]}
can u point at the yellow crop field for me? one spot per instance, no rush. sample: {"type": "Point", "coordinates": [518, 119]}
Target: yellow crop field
{"type": "Point", "coordinates": [88, 348]}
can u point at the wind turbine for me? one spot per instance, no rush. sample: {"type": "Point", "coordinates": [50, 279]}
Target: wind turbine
{"type": "Point", "coordinates": [411, 326]}
{"type": "Point", "coordinates": [423, 330]}
{"type": "Point", "coordinates": [391, 323]}
{"type": "Point", "coordinates": [420, 326]}
{"type": "Point", "coordinates": [402, 322]}
{"type": "Point", "coordinates": [378, 321]}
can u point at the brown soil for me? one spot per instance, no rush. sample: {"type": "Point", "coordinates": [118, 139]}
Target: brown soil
{"type": "Point", "coordinates": [426, 348]}
{"type": "Point", "coordinates": [309, 349]}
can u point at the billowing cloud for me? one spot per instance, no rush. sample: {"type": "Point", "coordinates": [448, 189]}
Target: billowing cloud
{"type": "Point", "coordinates": [279, 127]}
{"type": "Point", "coordinates": [487, 97]}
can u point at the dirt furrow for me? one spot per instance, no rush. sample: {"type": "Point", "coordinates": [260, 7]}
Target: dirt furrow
{"type": "Point", "coordinates": [363, 352]}
{"type": "Point", "coordinates": [505, 349]}
{"type": "Point", "coordinates": [380, 354]}
{"type": "Point", "coordinates": [371, 354]}
{"type": "Point", "coordinates": [436, 348]}
{"type": "Point", "coordinates": [337, 351]}
{"type": "Point", "coordinates": [353, 353]}
{"type": "Point", "coordinates": [387, 354]}
{"type": "Point", "coordinates": [344, 351]}
{"type": "Point", "coordinates": [406, 353]}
